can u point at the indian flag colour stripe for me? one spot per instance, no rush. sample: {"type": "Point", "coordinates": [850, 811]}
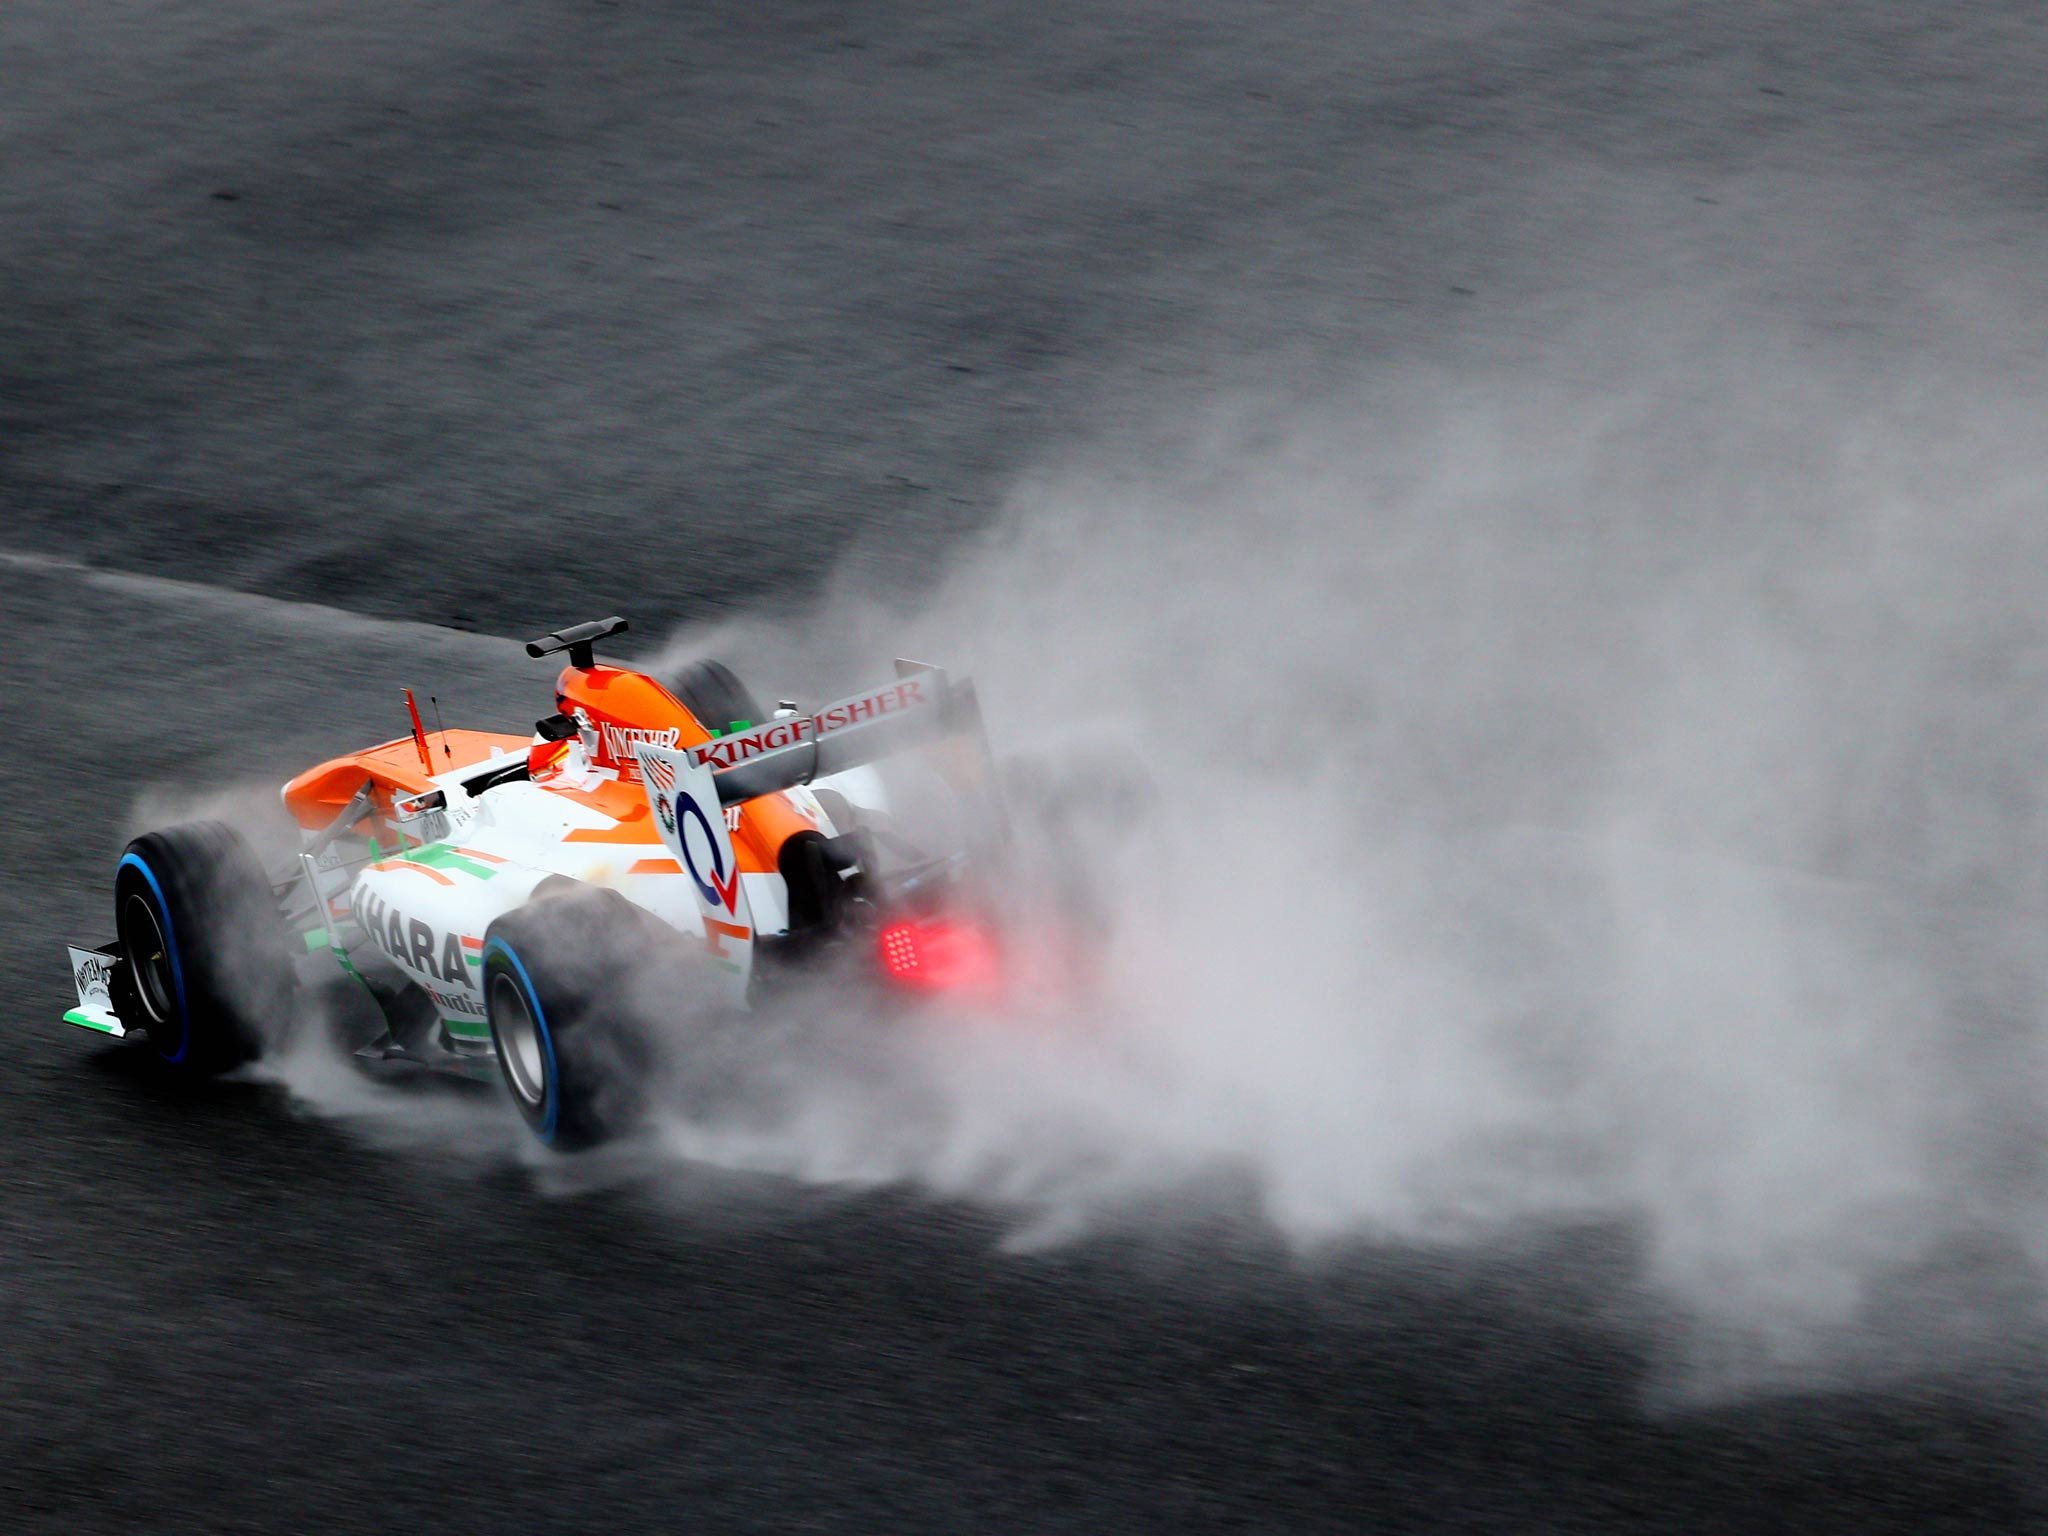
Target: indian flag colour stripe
{"type": "Point", "coordinates": [472, 949]}
{"type": "Point", "coordinates": [417, 868]}
{"type": "Point", "coordinates": [445, 856]}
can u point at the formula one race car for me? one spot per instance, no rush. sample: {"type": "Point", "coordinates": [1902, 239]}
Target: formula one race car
{"type": "Point", "coordinates": [511, 903]}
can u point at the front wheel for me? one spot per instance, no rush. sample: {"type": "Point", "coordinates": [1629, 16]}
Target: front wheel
{"type": "Point", "coordinates": [209, 970]}
{"type": "Point", "coordinates": [565, 989]}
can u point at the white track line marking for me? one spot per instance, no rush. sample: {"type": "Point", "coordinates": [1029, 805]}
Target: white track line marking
{"type": "Point", "coordinates": [248, 607]}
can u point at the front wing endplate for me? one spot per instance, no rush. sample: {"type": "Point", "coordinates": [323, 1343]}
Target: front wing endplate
{"type": "Point", "coordinates": [91, 971]}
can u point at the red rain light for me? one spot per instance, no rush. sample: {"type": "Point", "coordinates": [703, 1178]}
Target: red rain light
{"type": "Point", "coordinates": [937, 957]}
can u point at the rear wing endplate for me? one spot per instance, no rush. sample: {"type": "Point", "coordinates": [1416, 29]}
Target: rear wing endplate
{"type": "Point", "coordinates": [921, 705]}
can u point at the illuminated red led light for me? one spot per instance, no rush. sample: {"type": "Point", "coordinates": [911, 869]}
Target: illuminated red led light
{"type": "Point", "coordinates": [937, 957]}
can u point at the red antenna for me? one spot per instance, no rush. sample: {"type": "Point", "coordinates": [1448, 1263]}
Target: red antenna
{"type": "Point", "coordinates": [419, 734]}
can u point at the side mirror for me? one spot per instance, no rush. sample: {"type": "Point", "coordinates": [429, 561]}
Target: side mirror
{"type": "Point", "coordinates": [413, 807]}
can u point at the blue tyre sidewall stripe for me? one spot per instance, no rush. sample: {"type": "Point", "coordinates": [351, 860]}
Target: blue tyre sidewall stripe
{"type": "Point", "coordinates": [171, 943]}
{"type": "Point", "coordinates": [551, 1102]}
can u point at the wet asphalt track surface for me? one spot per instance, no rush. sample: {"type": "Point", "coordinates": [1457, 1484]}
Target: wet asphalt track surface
{"type": "Point", "coordinates": [305, 299]}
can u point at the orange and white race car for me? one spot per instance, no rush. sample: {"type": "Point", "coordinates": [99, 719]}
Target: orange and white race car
{"type": "Point", "coordinates": [519, 906]}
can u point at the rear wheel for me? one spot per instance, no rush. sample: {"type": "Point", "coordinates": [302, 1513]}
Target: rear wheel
{"type": "Point", "coordinates": [712, 692]}
{"type": "Point", "coordinates": [209, 969]}
{"type": "Point", "coordinates": [565, 990]}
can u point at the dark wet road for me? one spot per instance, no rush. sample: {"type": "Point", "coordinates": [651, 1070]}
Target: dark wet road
{"type": "Point", "coordinates": [402, 309]}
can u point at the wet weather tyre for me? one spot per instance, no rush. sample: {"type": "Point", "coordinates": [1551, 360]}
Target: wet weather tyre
{"type": "Point", "coordinates": [556, 980]}
{"type": "Point", "coordinates": [712, 692]}
{"type": "Point", "coordinates": [209, 965]}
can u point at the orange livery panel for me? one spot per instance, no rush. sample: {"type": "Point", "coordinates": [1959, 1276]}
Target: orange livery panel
{"type": "Point", "coordinates": [317, 796]}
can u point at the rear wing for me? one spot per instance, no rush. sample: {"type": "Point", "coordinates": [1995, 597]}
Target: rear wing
{"type": "Point", "coordinates": [688, 790]}
{"type": "Point", "coordinates": [922, 705]}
